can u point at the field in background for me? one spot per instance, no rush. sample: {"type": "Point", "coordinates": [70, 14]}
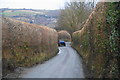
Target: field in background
{"type": "Point", "coordinates": [20, 12]}
{"type": "Point", "coordinates": [40, 17]}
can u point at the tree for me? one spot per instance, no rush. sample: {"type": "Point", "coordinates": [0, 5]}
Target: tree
{"type": "Point", "coordinates": [73, 16]}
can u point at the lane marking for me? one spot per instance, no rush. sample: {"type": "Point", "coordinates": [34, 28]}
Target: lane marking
{"type": "Point", "coordinates": [60, 51]}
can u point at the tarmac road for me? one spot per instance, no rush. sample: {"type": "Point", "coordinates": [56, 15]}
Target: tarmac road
{"type": "Point", "coordinates": [66, 64]}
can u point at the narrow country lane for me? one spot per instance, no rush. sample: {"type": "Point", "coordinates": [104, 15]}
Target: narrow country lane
{"type": "Point", "coordinates": [67, 64]}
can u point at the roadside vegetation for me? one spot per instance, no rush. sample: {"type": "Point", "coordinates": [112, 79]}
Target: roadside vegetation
{"type": "Point", "coordinates": [24, 44]}
{"type": "Point", "coordinates": [64, 35]}
{"type": "Point", "coordinates": [98, 41]}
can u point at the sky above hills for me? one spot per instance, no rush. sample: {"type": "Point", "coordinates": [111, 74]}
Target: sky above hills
{"type": "Point", "coordinates": [33, 4]}
{"type": "Point", "coordinates": [39, 4]}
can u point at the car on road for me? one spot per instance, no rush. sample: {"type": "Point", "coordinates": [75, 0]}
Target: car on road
{"type": "Point", "coordinates": [61, 43]}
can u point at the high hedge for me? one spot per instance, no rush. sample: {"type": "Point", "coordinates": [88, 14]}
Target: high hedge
{"type": "Point", "coordinates": [25, 44]}
{"type": "Point", "coordinates": [98, 41]}
{"type": "Point", "coordinates": [64, 35]}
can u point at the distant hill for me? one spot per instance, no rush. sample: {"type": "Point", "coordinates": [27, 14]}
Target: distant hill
{"type": "Point", "coordinates": [41, 17]}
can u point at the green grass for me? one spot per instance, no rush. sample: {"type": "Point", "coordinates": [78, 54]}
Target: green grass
{"type": "Point", "coordinates": [15, 13]}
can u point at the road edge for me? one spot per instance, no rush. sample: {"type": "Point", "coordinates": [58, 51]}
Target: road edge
{"type": "Point", "coordinates": [18, 71]}
{"type": "Point", "coordinates": [86, 71]}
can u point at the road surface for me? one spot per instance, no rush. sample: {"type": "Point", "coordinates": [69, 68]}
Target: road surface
{"type": "Point", "coordinates": [67, 64]}
{"type": "Point", "coordinates": [0, 69]}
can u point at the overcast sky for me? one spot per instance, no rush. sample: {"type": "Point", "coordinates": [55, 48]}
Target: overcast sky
{"type": "Point", "coordinates": [33, 4]}
{"type": "Point", "coordinates": [38, 4]}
